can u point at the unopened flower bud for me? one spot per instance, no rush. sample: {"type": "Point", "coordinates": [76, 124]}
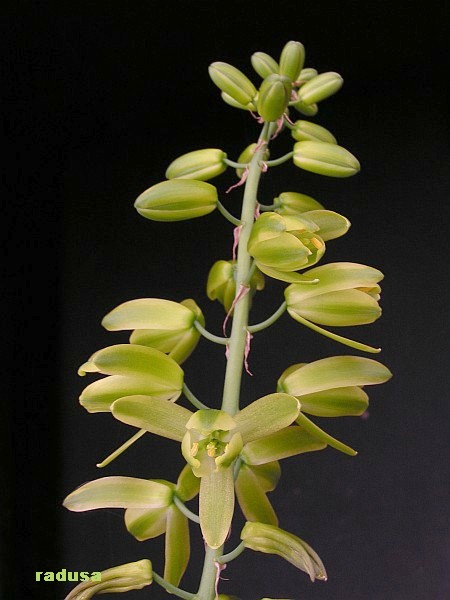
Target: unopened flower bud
{"type": "Point", "coordinates": [233, 82]}
{"type": "Point", "coordinates": [264, 64]}
{"type": "Point", "coordinates": [273, 97]}
{"type": "Point", "coordinates": [221, 283]}
{"type": "Point", "coordinates": [200, 165]}
{"type": "Point", "coordinates": [293, 203]}
{"type": "Point", "coordinates": [309, 110]}
{"type": "Point", "coordinates": [306, 75]}
{"type": "Point", "coordinates": [232, 102]}
{"type": "Point", "coordinates": [305, 130]}
{"type": "Point", "coordinates": [246, 156]}
{"type": "Point", "coordinates": [320, 87]}
{"type": "Point", "coordinates": [325, 159]}
{"type": "Point", "coordinates": [177, 200]}
{"type": "Point", "coordinates": [292, 59]}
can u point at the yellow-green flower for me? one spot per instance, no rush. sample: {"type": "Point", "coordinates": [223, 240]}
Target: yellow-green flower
{"type": "Point", "coordinates": [211, 441]}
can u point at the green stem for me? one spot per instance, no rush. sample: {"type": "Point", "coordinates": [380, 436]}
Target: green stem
{"type": "Point", "coordinates": [270, 321]}
{"type": "Point", "coordinates": [225, 213]}
{"type": "Point", "coordinates": [279, 161]}
{"type": "Point", "coordinates": [232, 163]}
{"type": "Point", "coordinates": [193, 399]}
{"type": "Point", "coordinates": [172, 589]}
{"type": "Point", "coordinates": [207, 589]}
{"type": "Point", "coordinates": [238, 337]}
{"type": "Point", "coordinates": [185, 510]}
{"type": "Point", "coordinates": [225, 558]}
{"type": "Point", "coordinates": [210, 336]}
{"type": "Point", "coordinates": [267, 207]}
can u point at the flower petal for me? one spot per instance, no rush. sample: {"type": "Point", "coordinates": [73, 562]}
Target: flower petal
{"type": "Point", "coordinates": [216, 506]}
{"type": "Point", "coordinates": [119, 492]}
{"type": "Point", "coordinates": [266, 415]}
{"type": "Point", "coordinates": [337, 402]}
{"type": "Point", "coordinates": [252, 497]}
{"type": "Point", "coordinates": [149, 313]}
{"type": "Point", "coordinates": [334, 372]}
{"type": "Point", "coordinates": [282, 444]}
{"type": "Point", "coordinates": [331, 224]}
{"type": "Point", "coordinates": [144, 523]}
{"type": "Point", "coordinates": [188, 485]}
{"type": "Point", "coordinates": [152, 414]}
{"type": "Point", "coordinates": [272, 540]}
{"type": "Point", "coordinates": [178, 547]}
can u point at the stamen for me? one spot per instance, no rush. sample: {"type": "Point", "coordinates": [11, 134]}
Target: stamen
{"type": "Point", "coordinates": [194, 449]}
{"type": "Point", "coordinates": [316, 242]}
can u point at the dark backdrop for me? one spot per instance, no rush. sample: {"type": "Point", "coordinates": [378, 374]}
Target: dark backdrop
{"type": "Point", "coordinates": [97, 105]}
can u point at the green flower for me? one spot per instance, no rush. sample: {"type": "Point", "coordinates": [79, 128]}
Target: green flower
{"type": "Point", "coordinates": [347, 294]}
{"type": "Point", "coordinates": [269, 539]}
{"type": "Point", "coordinates": [161, 324]}
{"type": "Point", "coordinates": [332, 387]}
{"type": "Point", "coordinates": [131, 369]}
{"type": "Point", "coordinates": [211, 441]}
{"type": "Point", "coordinates": [123, 578]}
{"type": "Point", "coordinates": [150, 511]}
{"type": "Point", "coordinates": [221, 284]}
{"type": "Point", "coordinates": [281, 245]}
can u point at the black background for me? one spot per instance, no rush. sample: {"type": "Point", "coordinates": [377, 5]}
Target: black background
{"type": "Point", "coordinates": [97, 105]}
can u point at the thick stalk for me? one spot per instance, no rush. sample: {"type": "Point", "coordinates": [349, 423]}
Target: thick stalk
{"type": "Point", "coordinates": [208, 583]}
{"type": "Point", "coordinates": [238, 337]}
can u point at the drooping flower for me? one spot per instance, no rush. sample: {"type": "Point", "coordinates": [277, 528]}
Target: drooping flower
{"type": "Point", "coordinates": [150, 511]}
{"type": "Point", "coordinates": [123, 578]}
{"type": "Point", "coordinates": [161, 324]}
{"type": "Point", "coordinates": [346, 294]}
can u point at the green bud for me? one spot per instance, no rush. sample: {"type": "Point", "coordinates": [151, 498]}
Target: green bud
{"type": "Point", "coordinates": [177, 200]}
{"type": "Point", "coordinates": [306, 75]}
{"type": "Point", "coordinates": [293, 203]}
{"type": "Point", "coordinates": [320, 87]}
{"type": "Point", "coordinates": [123, 578]}
{"type": "Point", "coordinates": [273, 540]}
{"type": "Point", "coordinates": [233, 82]}
{"type": "Point", "coordinates": [305, 130]}
{"type": "Point", "coordinates": [247, 155]}
{"type": "Point", "coordinates": [273, 97]}
{"type": "Point", "coordinates": [232, 102]}
{"type": "Point", "coordinates": [309, 110]}
{"type": "Point", "coordinates": [264, 64]}
{"type": "Point", "coordinates": [200, 165]}
{"type": "Point", "coordinates": [292, 59]}
{"type": "Point", "coordinates": [325, 159]}
{"type": "Point", "coordinates": [221, 283]}
{"type": "Point", "coordinates": [284, 243]}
